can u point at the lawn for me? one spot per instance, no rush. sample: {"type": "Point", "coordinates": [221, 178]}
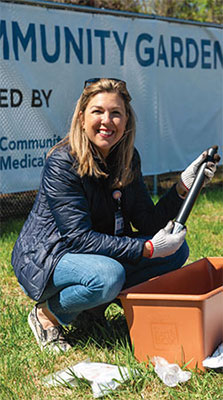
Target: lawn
{"type": "Point", "coordinates": [23, 365]}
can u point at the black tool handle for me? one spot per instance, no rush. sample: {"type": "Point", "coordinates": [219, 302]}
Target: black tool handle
{"type": "Point", "coordinates": [193, 192]}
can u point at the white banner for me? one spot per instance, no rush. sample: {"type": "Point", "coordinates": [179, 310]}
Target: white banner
{"type": "Point", "coordinates": [173, 72]}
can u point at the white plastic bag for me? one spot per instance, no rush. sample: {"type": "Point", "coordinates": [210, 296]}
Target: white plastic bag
{"type": "Point", "coordinates": [61, 377]}
{"type": "Point", "coordinates": [216, 360]}
{"type": "Point", "coordinates": [101, 376]}
{"type": "Point", "coordinates": [170, 374]}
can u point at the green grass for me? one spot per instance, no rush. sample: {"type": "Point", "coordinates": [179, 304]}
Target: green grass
{"type": "Point", "coordinates": [23, 365]}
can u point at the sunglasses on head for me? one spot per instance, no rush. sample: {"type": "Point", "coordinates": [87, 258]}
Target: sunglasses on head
{"type": "Point", "coordinates": [93, 80]}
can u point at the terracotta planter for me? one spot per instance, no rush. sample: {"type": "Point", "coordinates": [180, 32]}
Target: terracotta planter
{"type": "Point", "coordinates": [179, 315]}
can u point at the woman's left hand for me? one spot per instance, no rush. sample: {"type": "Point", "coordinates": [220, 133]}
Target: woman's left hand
{"type": "Point", "coordinates": [188, 176]}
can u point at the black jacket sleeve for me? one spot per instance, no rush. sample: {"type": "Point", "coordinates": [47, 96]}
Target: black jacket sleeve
{"type": "Point", "coordinates": [147, 217]}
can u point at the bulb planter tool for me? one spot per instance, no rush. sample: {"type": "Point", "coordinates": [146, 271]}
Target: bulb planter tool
{"type": "Point", "coordinates": [193, 193]}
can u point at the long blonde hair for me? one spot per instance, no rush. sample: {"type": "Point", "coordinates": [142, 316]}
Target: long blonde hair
{"type": "Point", "coordinates": [85, 151]}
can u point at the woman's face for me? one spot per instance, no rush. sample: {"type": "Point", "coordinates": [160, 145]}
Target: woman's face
{"type": "Point", "coordinates": [104, 120]}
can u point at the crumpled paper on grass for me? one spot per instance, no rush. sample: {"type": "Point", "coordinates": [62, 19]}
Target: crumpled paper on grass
{"type": "Point", "coordinates": [102, 377]}
{"type": "Point", "coordinates": [170, 374]}
{"type": "Point", "coordinates": [216, 360]}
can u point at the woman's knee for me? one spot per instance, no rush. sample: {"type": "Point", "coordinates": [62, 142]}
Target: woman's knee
{"type": "Point", "coordinates": [101, 276]}
{"type": "Point", "coordinates": [111, 277]}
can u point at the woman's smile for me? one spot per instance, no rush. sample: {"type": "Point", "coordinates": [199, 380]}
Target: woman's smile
{"type": "Point", "coordinates": [104, 132]}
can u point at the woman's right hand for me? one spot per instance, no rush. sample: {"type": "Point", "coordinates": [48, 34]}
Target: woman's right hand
{"type": "Point", "coordinates": [164, 243]}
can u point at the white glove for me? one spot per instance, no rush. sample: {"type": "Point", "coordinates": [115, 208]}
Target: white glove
{"type": "Point", "coordinates": [165, 243]}
{"type": "Point", "coordinates": [188, 176]}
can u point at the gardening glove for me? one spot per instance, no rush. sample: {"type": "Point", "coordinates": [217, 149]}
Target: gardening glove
{"type": "Point", "coordinates": [164, 243]}
{"type": "Point", "coordinates": [188, 176]}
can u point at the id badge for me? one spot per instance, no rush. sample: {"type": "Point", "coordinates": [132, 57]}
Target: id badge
{"type": "Point", "coordinates": [119, 223]}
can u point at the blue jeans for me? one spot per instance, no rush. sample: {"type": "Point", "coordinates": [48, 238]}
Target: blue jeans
{"type": "Point", "coordinates": [83, 281]}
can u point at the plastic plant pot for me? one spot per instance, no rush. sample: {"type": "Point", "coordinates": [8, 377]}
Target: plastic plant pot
{"type": "Point", "coordinates": [179, 315]}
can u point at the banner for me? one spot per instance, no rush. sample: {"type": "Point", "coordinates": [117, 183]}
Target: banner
{"type": "Point", "coordinates": [173, 72]}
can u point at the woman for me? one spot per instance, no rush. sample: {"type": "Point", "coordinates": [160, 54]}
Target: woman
{"type": "Point", "coordinates": [94, 229]}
